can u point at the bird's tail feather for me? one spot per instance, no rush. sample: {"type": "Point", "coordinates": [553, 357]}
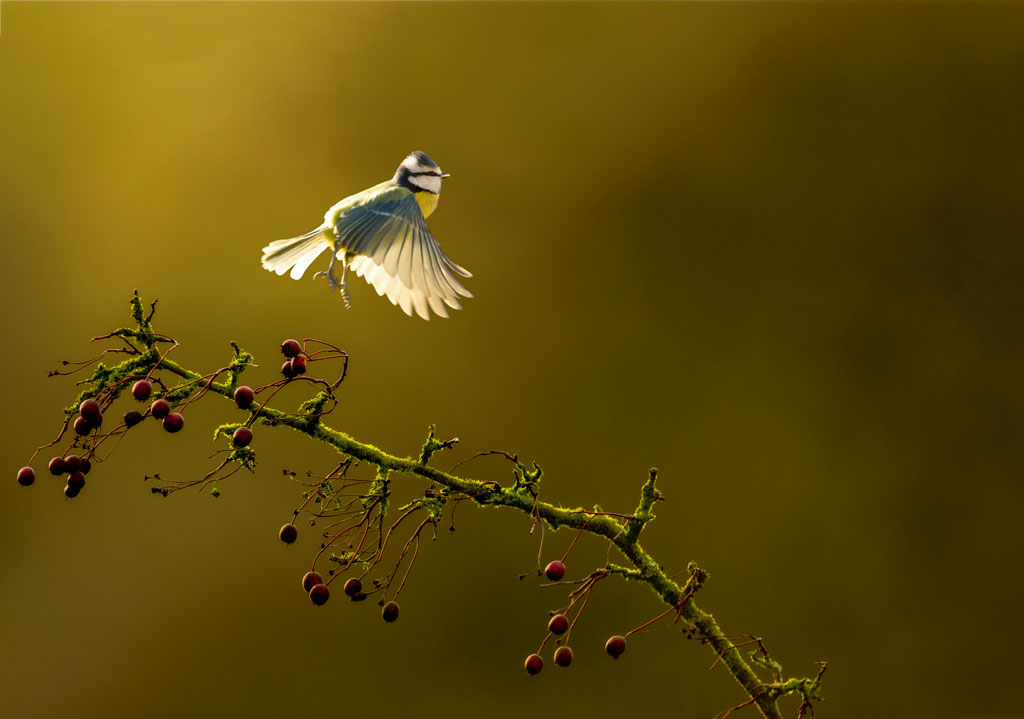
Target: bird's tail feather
{"type": "Point", "coordinates": [297, 253]}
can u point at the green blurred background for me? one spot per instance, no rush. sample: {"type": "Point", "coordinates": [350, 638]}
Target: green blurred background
{"type": "Point", "coordinates": [773, 249]}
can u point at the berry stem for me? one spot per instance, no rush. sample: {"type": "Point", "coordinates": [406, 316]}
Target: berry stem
{"type": "Point", "coordinates": [159, 362]}
{"type": "Point", "coordinates": [342, 533]}
{"type": "Point", "coordinates": [648, 623]}
{"type": "Point", "coordinates": [60, 435]}
{"type": "Point", "coordinates": [384, 543]}
{"type": "Point", "coordinates": [415, 553]}
{"type": "Point", "coordinates": [405, 550]}
{"type": "Point", "coordinates": [573, 543]}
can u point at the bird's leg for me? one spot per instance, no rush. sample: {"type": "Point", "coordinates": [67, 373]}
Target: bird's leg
{"type": "Point", "coordinates": [329, 274]}
{"type": "Point", "coordinates": [344, 275]}
{"type": "Point", "coordinates": [333, 281]}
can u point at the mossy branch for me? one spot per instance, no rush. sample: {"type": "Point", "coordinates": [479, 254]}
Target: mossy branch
{"type": "Point", "coordinates": [620, 530]}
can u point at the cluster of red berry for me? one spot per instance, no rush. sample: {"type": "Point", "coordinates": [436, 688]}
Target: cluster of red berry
{"type": "Point", "coordinates": [559, 625]}
{"type": "Point", "coordinates": [160, 409]}
{"type": "Point", "coordinates": [295, 364]}
{"type": "Point", "coordinates": [76, 468]}
{"type": "Point", "coordinates": [314, 585]}
{"type": "Point", "coordinates": [72, 465]}
{"type": "Point", "coordinates": [89, 418]}
{"type": "Point", "coordinates": [244, 397]}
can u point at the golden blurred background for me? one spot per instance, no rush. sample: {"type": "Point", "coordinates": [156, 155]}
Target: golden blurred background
{"type": "Point", "coordinates": [771, 248]}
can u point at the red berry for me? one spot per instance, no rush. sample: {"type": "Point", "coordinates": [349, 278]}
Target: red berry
{"type": "Point", "coordinates": [534, 664]}
{"type": "Point", "coordinates": [298, 363]}
{"type": "Point", "coordinates": [56, 466]}
{"type": "Point", "coordinates": [310, 580]}
{"type": "Point", "coordinates": [319, 594]}
{"type": "Point", "coordinates": [290, 348]}
{"type": "Point", "coordinates": [26, 476]}
{"type": "Point", "coordinates": [563, 656]}
{"type": "Point", "coordinates": [559, 624]}
{"type": "Point", "coordinates": [86, 466]}
{"type": "Point", "coordinates": [353, 586]}
{"type": "Point", "coordinates": [289, 533]}
{"type": "Point", "coordinates": [76, 481]}
{"type": "Point", "coordinates": [390, 612]}
{"type": "Point", "coordinates": [286, 369]}
{"type": "Point", "coordinates": [160, 409]}
{"type": "Point", "coordinates": [615, 646]}
{"type": "Point", "coordinates": [72, 463]}
{"type": "Point", "coordinates": [82, 426]}
{"type": "Point", "coordinates": [70, 492]}
{"type": "Point", "coordinates": [174, 422]}
{"type": "Point", "coordinates": [132, 418]}
{"type": "Point", "coordinates": [142, 389]}
{"type": "Point", "coordinates": [555, 571]}
{"type": "Point", "coordinates": [244, 397]}
{"type": "Point", "coordinates": [242, 437]}
{"type": "Point", "coordinates": [90, 411]}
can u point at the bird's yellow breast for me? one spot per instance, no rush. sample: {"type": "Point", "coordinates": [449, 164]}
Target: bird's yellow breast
{"type": "Point", "coordinates": [427, 202]}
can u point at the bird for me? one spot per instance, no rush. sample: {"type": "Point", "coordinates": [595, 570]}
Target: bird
{"type": "Point", "coordinates": [381, 234]}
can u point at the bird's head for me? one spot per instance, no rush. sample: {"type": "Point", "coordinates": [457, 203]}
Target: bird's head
{"type": "Point", "coordinates": [420, 174]}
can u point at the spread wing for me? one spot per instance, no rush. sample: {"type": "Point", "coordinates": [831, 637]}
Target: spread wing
{"type": "Point", "coordinates": [395, 252]}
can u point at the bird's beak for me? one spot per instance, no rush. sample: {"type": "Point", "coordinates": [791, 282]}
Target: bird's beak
{"type": "Point", "coordinates": [445, 174]}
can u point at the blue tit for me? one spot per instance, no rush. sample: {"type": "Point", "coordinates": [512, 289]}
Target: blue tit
{"type": "Point", "coordinates": [381, 234]}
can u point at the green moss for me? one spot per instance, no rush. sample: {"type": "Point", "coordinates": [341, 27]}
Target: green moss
{"type": "Point", "coordinates": [226, 430]}
{"type": "Point", "coordinates": [379, 492]}
{"type": "Point", "coordinates": [245, 456]}
{"type": "Point", "coordinates": [240, 363]}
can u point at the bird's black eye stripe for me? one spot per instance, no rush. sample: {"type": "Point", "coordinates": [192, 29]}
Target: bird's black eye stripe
{"type": "Point", "coordinates": [425, 172]}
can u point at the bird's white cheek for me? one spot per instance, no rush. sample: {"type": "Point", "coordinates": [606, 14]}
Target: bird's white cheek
{"type": "Point", "coordinates": [431, 183]}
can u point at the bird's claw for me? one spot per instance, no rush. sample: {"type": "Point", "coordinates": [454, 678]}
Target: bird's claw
{"type": "Point", "coordinates": [335, 284]}
{"type": "Point", "coordinates": [331, 279]}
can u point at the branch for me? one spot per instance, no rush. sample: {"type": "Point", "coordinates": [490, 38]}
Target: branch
{"type": "Point", "coordinates": [622, 531]}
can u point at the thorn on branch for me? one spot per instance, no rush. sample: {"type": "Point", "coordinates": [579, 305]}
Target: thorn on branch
{"type": "Point", "coordinates": [761, 657]}
{"type": "Point", "coordinates": [136, 304]}
{"type": "Point", "coordinates": [241, 362]}
{"type": "Point", "coordinates": [809, 691]}
{"type": "Point", "coordinates": [527, 478]}
{"type": "Point", "coordinates": [649, 495]}
{"type": "Point", "coordinates": [144, 323]}
{"type": "Point", "coordinates": [433, 445]}
{"type": "Point", "coordinates": [627, 572]}
{"type": "Point", "coordinates": [697, 578]}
